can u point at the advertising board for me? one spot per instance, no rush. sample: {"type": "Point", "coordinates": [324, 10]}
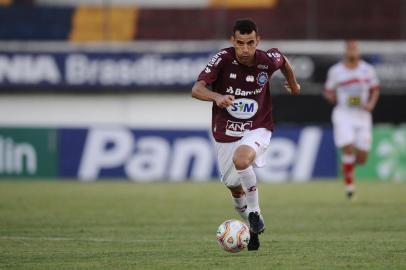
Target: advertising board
{"type": "Point", "coordinates": [296, 153]}
{"type": "Point", "coordinates": [28, 152]}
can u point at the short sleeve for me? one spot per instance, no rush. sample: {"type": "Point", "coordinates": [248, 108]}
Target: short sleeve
{"type": "Point", "coordinates": [211, 72]}
{"type": "Point", "coordinates": [277, 58]}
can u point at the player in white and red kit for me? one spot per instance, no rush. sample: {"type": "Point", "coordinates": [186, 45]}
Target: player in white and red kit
{"type": "Point", "coordinates": [352, 85]}
{"type": "Point", "coordinates": [236, 80]}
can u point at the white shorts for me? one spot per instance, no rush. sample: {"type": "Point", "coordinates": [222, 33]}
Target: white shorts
{"type": "Point", "coordinates": [258, 139]}
{"type": "Point", "coordinates": [352, 126]}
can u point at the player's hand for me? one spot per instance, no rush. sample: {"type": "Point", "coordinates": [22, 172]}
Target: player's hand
{"type": "Point", "coordinates": [293, 89]}
{"type": "Point", "coordinates": [223, 101]}
{"type": "Point", "coordinates": [368, 107]}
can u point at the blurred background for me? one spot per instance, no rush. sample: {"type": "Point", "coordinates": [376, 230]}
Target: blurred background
{"type": "Point", "coordinates": [100, 89]}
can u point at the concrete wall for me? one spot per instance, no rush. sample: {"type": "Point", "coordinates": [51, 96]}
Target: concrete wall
{"type": "Point", "coordinates": [163, 111]}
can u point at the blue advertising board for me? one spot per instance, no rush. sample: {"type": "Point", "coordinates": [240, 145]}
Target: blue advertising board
{"type": "Point", "coordinates": [137, 154]}
{"type": "Point", "coordinates": [295, 154]}
{"type": "Point", "coordinates": [81, 69]}
{"type": "Point", "coordinates": [93, 70]}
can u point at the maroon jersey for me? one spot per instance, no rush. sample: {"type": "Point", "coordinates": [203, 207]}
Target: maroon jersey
{"type": "Point", "coordinates": [252, 107]}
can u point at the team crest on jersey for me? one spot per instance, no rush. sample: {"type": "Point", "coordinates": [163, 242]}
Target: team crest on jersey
{"type": "Point", "coordinates": [262, 78]}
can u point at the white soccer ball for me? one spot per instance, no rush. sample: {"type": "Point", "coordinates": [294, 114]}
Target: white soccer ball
{"type": "Point", "coordinates": [233, 235]}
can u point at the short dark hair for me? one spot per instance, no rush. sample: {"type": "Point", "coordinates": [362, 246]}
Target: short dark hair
{"type": "Point", "coordinates": [245, 26]}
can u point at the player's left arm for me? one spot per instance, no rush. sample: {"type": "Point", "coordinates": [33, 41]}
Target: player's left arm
{"type": "Point", "coordinates": [291, 83]}
{"type": "Point", "coordinates": [374, 91]}
{"type": "Point", "coordinates": [373, 98]}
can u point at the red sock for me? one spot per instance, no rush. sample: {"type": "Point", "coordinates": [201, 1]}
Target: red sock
{"type": "Point", "coordinates": [348, 173]}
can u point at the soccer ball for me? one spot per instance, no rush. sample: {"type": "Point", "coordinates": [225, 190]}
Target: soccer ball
{"type": "Point", "coordinates": [233, 235]}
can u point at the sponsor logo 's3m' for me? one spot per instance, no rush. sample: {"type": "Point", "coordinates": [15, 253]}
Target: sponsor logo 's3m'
{"type": "Point", "coordinates": [243, 108]}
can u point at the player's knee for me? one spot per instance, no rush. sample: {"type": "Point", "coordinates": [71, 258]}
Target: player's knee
{"type": "Point", "coordinates": [241, 163]}
{"type": "Point", "coordinates": [348, 149]}
{"type": "Point", "coordinates": [243, 157]}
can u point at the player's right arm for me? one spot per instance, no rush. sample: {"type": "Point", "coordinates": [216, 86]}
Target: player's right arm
{"type": "Point", "coordinates": [201, 92]}
{"type": "Point", "coordinates": [208, 77]}
{"type": "Point", "coordinates": [373, 90]}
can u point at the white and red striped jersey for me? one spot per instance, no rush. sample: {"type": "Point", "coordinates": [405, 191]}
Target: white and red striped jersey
{"type": "Point", "coordinates": [352, 86]}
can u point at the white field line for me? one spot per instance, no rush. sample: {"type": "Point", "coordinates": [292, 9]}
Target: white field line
{"type": "Point", "coordinates": [99, 240]}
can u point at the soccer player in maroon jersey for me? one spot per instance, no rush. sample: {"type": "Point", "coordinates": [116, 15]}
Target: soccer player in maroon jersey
{"type": "Point", "coordinates": [236, 80]}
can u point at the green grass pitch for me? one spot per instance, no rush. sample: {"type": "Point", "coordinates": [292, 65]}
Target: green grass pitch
{"type": "Point", "coordinates": [123, 225]}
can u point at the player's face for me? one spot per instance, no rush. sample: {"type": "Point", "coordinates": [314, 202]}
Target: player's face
{"type": "Point", "coordinates": [245, 46]}
{"type": "Point", "coordinates": [352, 51]}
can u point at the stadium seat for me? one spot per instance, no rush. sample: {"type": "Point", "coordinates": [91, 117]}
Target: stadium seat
{"type": "Point", "coordinates": [103, 24]}
{"type": "Point", "coordinates": [34, 23]}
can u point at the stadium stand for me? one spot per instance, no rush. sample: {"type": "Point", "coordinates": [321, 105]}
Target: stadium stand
{"type": "Point", "coordinates": [16, 2]}
{"type": "Point", "coordinates": [98, 24]}
{"type": "Point", "coordinates": [202, 20]}
{"type": "Point", "coordinates": [35, 23]}
{"type": "Point", "coordinates": [242, 3]}
{"type": "Point", "coordinates": [5, 2]}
